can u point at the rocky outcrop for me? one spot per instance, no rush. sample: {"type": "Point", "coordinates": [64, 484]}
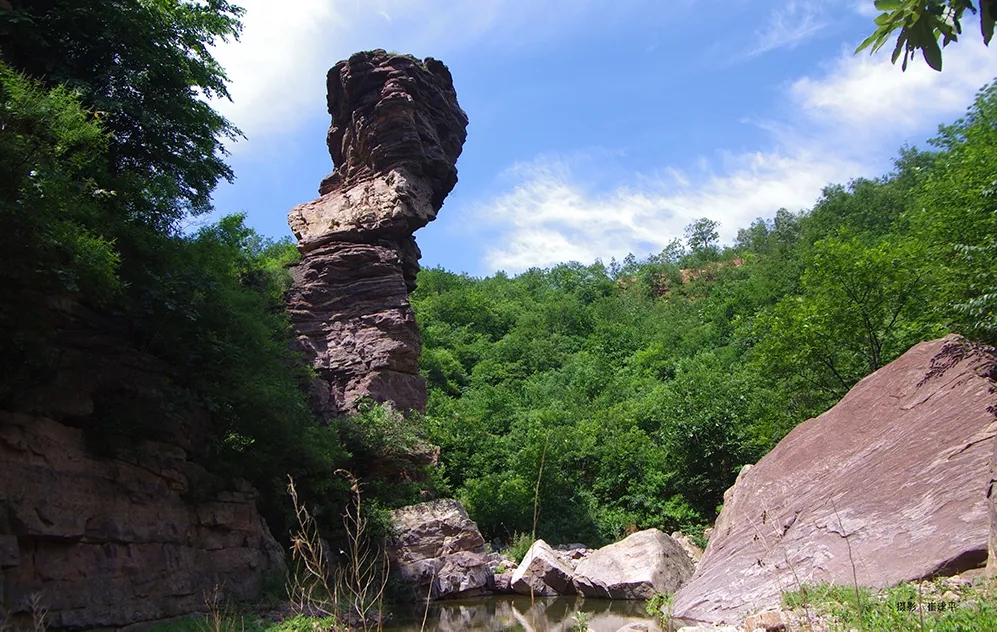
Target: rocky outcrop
{"type": "Point", "coordinates": [890, 485]}
{"type": "Point", "coordinates": [396, 133]}
{"type": "Point", "coordinates": [108, 542]}
{"type": "Point", "coordinates": [637, 567]}
{"type": "Point", "coordinates": [438, 551]}
{"type": "Point", "coordinates": [543, 573]}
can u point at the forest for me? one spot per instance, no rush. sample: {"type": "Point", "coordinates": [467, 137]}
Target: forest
{"type": "Point", "coordinates": [604, 397]}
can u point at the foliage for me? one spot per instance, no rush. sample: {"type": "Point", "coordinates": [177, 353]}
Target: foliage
{"type": "Point", "coordinates": [901, 607]}
{"type": "Point", "coordinates": [144, 68]}
{"type": "Point", "coordinates": [922, 23]}
{"type": "Point", "coordinates": [651, 382]}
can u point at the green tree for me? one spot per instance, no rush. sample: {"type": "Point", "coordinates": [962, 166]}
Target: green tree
{"type": "Point", "coordinates": [144, 67]}
{"type": "Point", "coordinates": [857, 311]}
{"type": "Point", "coordinates": [927, 26]}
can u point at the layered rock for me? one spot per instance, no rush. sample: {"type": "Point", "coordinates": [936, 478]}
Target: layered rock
{"type": "Point", "coordinates": [887, 486]}
{"type": "Point", "coordinates": [543, 573]}
{"type": "Point", "coordinates": [106, 531]}
{"type": "Point", "coordinates": [638, 567]}
{"type": "Point", "coordinates": [437, 551]}
{"type": "Point", "coordinates": [108, 542]}
{"type": "Point", "coordinates": [396, 133]}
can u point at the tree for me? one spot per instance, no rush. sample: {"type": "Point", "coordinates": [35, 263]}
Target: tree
{"type": "Point", "coordinates": [922, 23]}
{"type": "Point", "coordinates": [703, 238]}
{"type": "Point", "coordinates": [144, 67]}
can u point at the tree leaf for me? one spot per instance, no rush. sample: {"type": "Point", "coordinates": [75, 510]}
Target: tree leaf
{"type": "Point", "coordinates": [932, 53]}
{"type": "Point", "coordinates": [988, 11]}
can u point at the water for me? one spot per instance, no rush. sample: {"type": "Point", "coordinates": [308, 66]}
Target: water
{"type": "Point", "coordinates": [498, 614]}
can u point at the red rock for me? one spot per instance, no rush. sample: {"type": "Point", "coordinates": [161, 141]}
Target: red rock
{"type": "Point", "coordinates": [114, 541]}
{"type": "Point", "coordinates": [396, 133]}
{"type": "Point", "coordinates": [890, 485]}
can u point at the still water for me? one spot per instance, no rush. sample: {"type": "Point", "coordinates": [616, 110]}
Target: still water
{"type": "Point", "coordinates": [497, 614]}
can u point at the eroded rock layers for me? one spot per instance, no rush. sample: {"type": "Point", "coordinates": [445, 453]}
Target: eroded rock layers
{"type": "Point", "coordinates": [396, 133]}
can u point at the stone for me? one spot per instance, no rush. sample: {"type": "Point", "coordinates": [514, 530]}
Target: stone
{"type": "Point", "coordinates": [503, 583]}
{"type": "Point", "coordinates": [108, 542]}
{"type": "Point", "coordinates": [396, 133]}
{"type": "Point", "coordinates": [694, 552]}
{"type": "Point", "coordinates": [463, 575]}
{"type": "Point", "coordinates": [543, 573]}
{"type": "Point", "coordinates": [437, 550]}
{"type": "Point", "coordinates": [889, 485]}
{"type": "Point", "coordinates": [770, 620]}
{"type": "Point", "coordinates": [637, 567]}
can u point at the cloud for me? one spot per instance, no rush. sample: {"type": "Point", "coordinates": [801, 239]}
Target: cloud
{"type": "Point", "coordinates": [843, 123]}
{"type": "Point", "coordinates": [868, 92]}
{"type": "Point", "coordinates": [551, 216]}
{"type": "Point", "coordinates": [277, 69]}
{"type": "Point", "coordinates": [277, 66]}
{"type": "Point", "coordinates": [787, 27]}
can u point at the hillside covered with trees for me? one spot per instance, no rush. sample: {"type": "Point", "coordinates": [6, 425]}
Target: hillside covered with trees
{"type": "Point", "coordinates": [634, 391]}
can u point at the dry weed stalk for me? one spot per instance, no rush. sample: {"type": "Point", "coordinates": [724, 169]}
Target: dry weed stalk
{"type": "Point", "coordinates": [308, 589]}
{"type": "Point", "coordinates": [353, 592]}
{"type": "Point", "coordinates": [366, 573]}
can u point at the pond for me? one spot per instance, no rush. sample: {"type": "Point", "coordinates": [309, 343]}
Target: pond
{"type": "Point", "coordinates": [497, 614]}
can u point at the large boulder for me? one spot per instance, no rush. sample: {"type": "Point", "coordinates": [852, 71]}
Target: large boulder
{"type": "Point", "coordinates": [396, 133]}
{"type": "Point", "coordinates": [637, 567]}
{"type": "Point", "coordinates": [543, 573]}
{"type": "Point", "coordinates": [438, 551]}
{"type": "Point", "coordinates": [887, 486]}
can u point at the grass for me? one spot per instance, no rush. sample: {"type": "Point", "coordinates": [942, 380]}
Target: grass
{"type": "Point", "coordinates": [941, 606]}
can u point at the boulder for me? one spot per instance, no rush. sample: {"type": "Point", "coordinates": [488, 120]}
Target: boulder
{"type": "Point", "coordinates": [637, 567]}
{"type": "Point", "coordinates": [437, 550]}
{"type": "Point", "coordinates": [396, 133]}
{"type": "Point", "coordinates": [889, 485]}
{"type": "Point", "coordinates": [543, 573]}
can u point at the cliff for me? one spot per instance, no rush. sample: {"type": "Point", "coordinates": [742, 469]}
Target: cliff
{"type": "Point", "coordinates": [103, 530]}
{"type": "Point", "coordinates": [396, 134]}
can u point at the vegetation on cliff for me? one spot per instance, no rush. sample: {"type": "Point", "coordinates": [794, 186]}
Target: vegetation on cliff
{"type": "Point", "coordinates": [108, 150]}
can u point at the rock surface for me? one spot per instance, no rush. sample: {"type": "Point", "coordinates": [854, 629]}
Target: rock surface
{"type": "Point", "coordinates": [637, 567]}
{"type": "Point", "coordinates": [115, 541]}
{"type": "Point", "coordinates": [437, 550]}
{"type": "Point", "coordinates": [396, 133]}
{"type": "Point", "coordinates": [890, 483]}
{"type": "Point", "coordinates": [543, 573]}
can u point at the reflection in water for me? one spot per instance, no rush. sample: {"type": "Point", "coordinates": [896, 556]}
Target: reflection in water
{"type": "Point", "coordinates": [498, 614]}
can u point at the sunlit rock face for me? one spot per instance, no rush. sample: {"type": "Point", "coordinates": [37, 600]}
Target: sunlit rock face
{"type": "Point", "coordinates": [890, 485]}
{"type": "Point", "coordinates": [396, 134]}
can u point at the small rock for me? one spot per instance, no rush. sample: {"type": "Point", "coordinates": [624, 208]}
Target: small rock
{"type": "Point", "coordinates": [770, 620]}
{"type": "Point", "coordinates": [950, 597]}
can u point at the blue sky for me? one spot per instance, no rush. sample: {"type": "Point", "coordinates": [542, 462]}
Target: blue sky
{"type": "Point", "coordinates": [597, 127]}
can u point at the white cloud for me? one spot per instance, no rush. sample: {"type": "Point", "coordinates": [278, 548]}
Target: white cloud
{"type": "Point", "coordinates": [277, 66]}
{"type": "Point", "coordinates": [277, 69]}
{"type": "Point", "coordinates": [843, 124]}
{"type": "Point", "coordinates": [551, 217]}
{"type": "Point", "coordinates": [868, 91]}
{"type": "Point", "coordinates": [788, 26]}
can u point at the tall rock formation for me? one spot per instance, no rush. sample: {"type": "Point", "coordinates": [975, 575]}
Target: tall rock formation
{"type": "Point", "coordinates": [396, 133]}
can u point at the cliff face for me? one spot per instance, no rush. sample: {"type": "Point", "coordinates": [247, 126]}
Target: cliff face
{"type": "Point", "coordinates": [104, 531]}
{"type": "Point", "coordinates": [396, 134]}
